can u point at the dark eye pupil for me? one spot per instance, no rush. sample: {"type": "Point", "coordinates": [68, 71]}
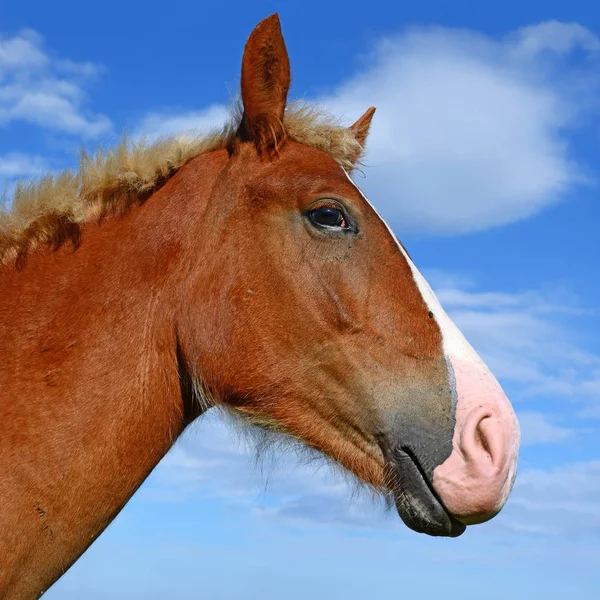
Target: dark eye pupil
{"type": "Point", "coordinates": [328, 216]}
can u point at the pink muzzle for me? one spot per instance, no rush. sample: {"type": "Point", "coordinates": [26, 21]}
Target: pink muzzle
{"type": "Point", "coordinates": [476, 479]}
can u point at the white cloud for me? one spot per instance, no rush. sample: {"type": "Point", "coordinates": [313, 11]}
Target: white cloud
{"type": "Point", "coordinates": [563, 500]}
{"type": "Point", "coordinates": [554, 36]}
{"type": "Point", "coordinates": [471, 132]}
{"type": "Point", "coordinates": [537, 428]}
{"type": "Point", "coordinates": [282, 485]}
{"type": "Point", "coordinates": [43, 91]}
{"type": "Point", "coordinates": [15, 164]}
{"type": "Point", "coordinates": [162, 124]}
{"type": "Point", "coordinates": [22, 51]}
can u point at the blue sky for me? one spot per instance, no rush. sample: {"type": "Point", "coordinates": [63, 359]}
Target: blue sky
{"type": "Point", "coordinates": [483, 157]}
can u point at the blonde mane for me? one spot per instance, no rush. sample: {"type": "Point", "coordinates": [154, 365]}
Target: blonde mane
{"type": "Point", "coordinates": [50, 210]}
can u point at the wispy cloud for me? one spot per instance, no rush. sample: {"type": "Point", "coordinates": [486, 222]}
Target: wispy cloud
{"type": "Point", "coordinates": [559, 501]}
{"type": "Point", "coordinates": [283, 484]}
{"type": "Point", "coordinates": [16, 164]}
{"type": "Point", "coordinates": [47, 92]}
{"type": "Point", "coordinates": [538, 428]}
{"type": "Point", "coordinates": [165, 123]}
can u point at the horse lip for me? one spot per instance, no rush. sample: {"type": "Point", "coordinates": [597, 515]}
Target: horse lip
{"type": "Point", "coordinates": [416, 502]}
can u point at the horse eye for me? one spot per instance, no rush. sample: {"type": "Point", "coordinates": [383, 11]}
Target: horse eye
{"type": "Point", "coordinates": [328, 216]}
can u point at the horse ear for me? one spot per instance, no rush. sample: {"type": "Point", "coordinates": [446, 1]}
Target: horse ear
{"type": "Point", "coordinates": [360, 130]}
{"type": "Point", "coordinates": [265, 85]}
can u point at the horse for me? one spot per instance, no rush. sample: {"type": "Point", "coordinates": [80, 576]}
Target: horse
{"type": "Point", "coordinates": [245, 270]}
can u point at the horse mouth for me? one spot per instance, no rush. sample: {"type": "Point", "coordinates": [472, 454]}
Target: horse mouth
{"type": "Point", "coordinates": [416, 502]}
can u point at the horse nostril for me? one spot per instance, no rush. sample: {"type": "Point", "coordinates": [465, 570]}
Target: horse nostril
{"type": "Point", "coordinates": [487, 441]}
{"type": "Point", "coordinates": [481, 439]}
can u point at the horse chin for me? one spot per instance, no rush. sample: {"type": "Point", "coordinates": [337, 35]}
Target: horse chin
{"type": "Point", "coordinates": [417, 503]}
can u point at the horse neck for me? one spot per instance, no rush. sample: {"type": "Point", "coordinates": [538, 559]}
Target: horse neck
{"type": "Point", "coordinates": [91, 393]}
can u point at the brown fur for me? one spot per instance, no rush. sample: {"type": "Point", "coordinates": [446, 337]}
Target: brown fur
{"type": "Point", "coordinates": [211, 286]}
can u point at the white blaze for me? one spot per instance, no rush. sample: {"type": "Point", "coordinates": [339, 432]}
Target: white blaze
{"type": "Point", "coordinates": [477, 394]}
